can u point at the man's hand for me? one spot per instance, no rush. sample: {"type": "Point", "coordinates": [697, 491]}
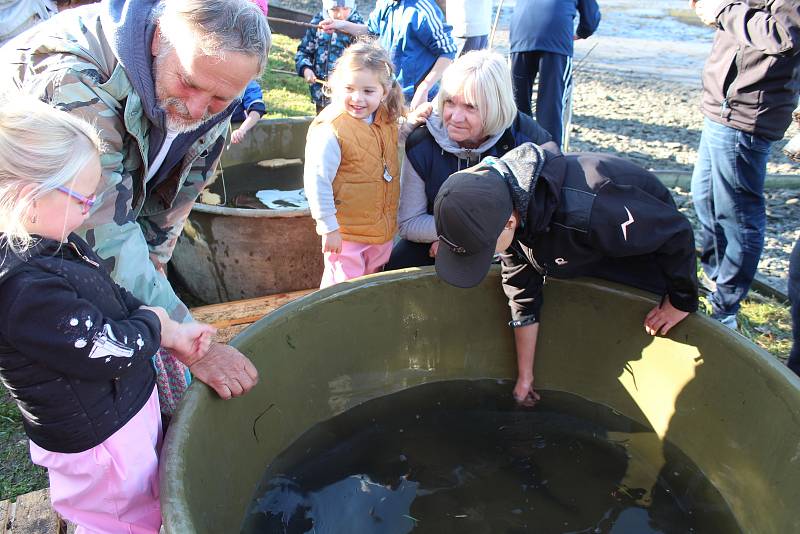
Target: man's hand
{"type": "Point", "coordinates": [226, 370]}
{"type": "Point", "coordinates": [309, 76]}
{"type": "Point", "coordinates": [706, 11]}
{"type": "Point", "coordinates": [662, 318]}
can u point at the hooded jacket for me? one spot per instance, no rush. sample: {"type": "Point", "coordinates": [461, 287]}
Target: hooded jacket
{"type": "Point", "coordinates": [75, 348]}
{"type": "Point", "coordinates": [578, 210]}
{"type": "Point", "coordinates": [431, 157]}
{"type": "Point", "coordinates": [752, 76]}
{"type": "Point", "coordinates": [95, 61]}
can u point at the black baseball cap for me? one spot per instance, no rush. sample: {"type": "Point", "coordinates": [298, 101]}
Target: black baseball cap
{"type": "Point", "coordinates": [471, 210]}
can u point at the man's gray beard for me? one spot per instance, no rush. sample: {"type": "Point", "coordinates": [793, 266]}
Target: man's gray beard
{"type": "Point", "coordinates": [178, 124]}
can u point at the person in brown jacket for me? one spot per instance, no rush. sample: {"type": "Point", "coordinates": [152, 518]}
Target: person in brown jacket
{"type": "Point", "coordinates": [750, 88]}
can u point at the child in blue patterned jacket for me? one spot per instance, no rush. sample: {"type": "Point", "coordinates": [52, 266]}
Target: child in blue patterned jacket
{"type": "Point", "coordinates": [318, 51]}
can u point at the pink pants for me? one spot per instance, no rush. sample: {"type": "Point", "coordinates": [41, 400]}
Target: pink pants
{"type": "Point", "coordinates": [355, 259]}
{"type": "Point", "coordinates": [111, 488]}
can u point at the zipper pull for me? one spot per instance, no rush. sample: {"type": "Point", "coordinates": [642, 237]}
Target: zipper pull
{"type": "Point", "coordinates": [723, 107]}
{"type": "Point", "coordinates": [84, 257]}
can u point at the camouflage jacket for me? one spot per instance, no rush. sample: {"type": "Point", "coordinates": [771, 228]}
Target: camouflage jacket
{"type": "Point", "coordinates": [319, 51]}
{"type": "Point", "coordinates": [71, 65]}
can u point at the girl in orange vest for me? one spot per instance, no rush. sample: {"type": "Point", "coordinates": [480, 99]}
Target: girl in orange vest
{"type": "Point", "coordinates": [352, 172]}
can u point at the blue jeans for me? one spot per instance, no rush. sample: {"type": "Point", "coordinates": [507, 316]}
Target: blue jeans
{"type": "Point", "coordinates": [794, 297]}
{"type": "Point", "coordinates": [728, 194]}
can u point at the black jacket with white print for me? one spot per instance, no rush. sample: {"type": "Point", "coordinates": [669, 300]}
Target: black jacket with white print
{"type": "Point", "coordinates": [592, 215]}
{"type": "Point", "coordinates": [75, 350]}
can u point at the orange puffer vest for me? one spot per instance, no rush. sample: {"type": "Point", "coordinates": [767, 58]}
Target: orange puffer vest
{"type": "Point", "coordinates": [366, 204]}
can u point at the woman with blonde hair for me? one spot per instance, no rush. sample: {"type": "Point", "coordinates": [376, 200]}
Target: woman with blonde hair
{"type": "Point", "coordinates": [474, 117]}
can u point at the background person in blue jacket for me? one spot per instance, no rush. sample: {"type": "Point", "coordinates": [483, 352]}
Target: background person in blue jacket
{"type": "Point", "coordinates": [418, 40]}
{"type": "Point", "coordinates": [249, 111]}
{"type": "Point", "coordinates": [542, 35]}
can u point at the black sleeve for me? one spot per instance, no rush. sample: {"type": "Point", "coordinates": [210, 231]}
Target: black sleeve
{"type": "Point", "coordinates": [43, 317]}
{"type": "Point", "coordinates": [522, 284]}
{"type": "Point", "coordinates": [131, 302]}
{"type": "Point", "coordinates": [627, 221]}
{"type": "Point", "coordinates": [589, 18]}
{"type": "Point", "coordinates": [531, 131]}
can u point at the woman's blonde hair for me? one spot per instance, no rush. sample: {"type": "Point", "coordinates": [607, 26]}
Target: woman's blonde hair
{"type": "Point", "coordinates": [40, 146]}
{"type": "Point", "coordinates": [368, 54]}
{"type": "Point", "coordinates": [483, 79]}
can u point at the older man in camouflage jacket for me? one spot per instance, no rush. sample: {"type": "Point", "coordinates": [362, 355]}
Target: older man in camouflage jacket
{"type": "Point", "coordinates": [160, 81]}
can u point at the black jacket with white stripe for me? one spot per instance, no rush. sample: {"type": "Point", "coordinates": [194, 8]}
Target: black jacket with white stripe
{"type": "Point", "coordinates": [591, 214]}
{"type": "Point", "coordinates": [75, 349]}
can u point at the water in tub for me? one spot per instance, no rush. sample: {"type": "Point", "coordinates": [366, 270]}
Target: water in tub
{"type": "Point", "coordinates": [460, 457]}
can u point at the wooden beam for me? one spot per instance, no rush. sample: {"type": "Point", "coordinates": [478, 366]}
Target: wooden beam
{"type": "Point", "coordinates": [230, 318]}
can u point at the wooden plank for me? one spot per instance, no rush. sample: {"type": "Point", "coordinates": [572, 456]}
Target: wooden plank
{"type": "Point", "coordinates": [31, 514]}
{"type": "Point", "coordinates": [244, 312]}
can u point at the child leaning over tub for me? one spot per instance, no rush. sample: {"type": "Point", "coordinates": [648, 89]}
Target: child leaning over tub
{"type": "Point", "coordinates": [352, 173]}
{"type": "Point", "coordinates": [75, 348]}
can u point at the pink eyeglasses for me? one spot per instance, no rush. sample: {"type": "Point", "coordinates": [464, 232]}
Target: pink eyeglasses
{"type": "Point", "coordinates": [85, 202]}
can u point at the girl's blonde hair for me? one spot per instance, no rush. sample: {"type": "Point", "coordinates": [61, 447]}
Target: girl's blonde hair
{"type": "Point", "coordinates": [368, 54]}
{"type": "Point", "coordinates": [40, 146]}
{"type": "Point", "coordinates": [483, 80]}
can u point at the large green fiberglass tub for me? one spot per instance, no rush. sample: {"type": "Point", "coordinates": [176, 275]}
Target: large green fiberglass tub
{"type": "Point", "coordinates": [729, 406]}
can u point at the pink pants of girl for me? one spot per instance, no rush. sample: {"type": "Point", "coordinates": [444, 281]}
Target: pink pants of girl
{"type": "Point", "coordinates": [355, 259]}
{"type": "Point", "coordinates": [111, 488]}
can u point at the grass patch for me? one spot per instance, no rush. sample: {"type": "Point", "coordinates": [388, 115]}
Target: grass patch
{"type": "Point", "coordinates": [768, 324]}
{"type": "Point", "coordinates": [285, 95]}
{"type": "Point", "coordinates": [17, 474]}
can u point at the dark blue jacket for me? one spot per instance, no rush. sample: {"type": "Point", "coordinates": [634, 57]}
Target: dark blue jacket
{"type": "Point", "coordinates": [416, 35]}
{"type": "Point", "coordinates": [548, 25]}
{"type": "Point", "coordinates": [75, 349]}
{"type": "Point", "coordinates": [435, 165]}
{"type": "Point", "coordinates": [252, 100]}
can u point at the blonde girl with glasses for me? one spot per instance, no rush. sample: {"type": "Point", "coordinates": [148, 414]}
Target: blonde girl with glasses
{"type": "Point", "coordinates": [75, 348]}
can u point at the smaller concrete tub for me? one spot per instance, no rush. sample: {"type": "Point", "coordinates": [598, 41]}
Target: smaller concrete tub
{"type": "Point", "coordinates": [728, 405]}
{"type": "Point", "coordinates": [228, 253]}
